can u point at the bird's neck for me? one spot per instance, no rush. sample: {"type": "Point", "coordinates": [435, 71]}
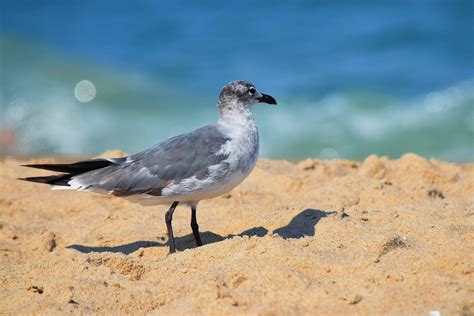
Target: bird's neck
{"type": "Point", "coordinates": [237, 120]}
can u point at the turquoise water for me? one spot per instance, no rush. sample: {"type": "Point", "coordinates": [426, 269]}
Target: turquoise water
{"type": "Point", "coordinates": [351, 79]}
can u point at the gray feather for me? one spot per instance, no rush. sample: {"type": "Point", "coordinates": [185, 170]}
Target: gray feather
{"type": "Point", "coordinates": [149, 171]}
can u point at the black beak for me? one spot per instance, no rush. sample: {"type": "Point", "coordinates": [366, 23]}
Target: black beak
{"type": "Point", "coordinates": [265, 98]}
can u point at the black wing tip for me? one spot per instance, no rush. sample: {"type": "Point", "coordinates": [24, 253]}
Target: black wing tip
{"type": "Point", "coordinates": [60, 179]}
{"type": "Point", "coordinates": [74, 168]}
{"type": "Point", "coordinates": [33, 179]}
{"type": "Point", "coordinates": [39, 165]}
{"type": "Point", "coordinates": [32, 165]}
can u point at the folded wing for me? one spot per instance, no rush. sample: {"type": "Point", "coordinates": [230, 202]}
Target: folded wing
{"type": "Point", "coordinates": [147, 172]}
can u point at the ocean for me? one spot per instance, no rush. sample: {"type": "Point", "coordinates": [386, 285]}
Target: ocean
{"type": "Point", "coordinates": [352, 78]}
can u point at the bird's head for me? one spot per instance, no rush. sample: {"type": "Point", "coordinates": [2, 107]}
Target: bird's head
{"type": "Point", "coordinates": [240, 94]}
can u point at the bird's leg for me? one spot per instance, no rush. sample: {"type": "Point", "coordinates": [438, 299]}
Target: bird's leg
{"type": "Point", "coordinates": [168, 219]}
{"type": "Point", "coordinates": [195, 226]}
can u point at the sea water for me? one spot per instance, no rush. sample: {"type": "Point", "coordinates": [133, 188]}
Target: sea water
{"type": "Point", "coordinates": [351, 78]}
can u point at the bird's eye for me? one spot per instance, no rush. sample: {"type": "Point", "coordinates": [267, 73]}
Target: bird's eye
{"type": "Point", "coordinates": [252, 91]}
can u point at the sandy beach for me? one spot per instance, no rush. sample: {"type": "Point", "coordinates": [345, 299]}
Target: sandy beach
{"type": "Point", "coordinates": [378, 236]}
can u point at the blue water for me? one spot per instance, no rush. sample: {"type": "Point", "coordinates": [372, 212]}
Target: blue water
{"type": "Point", "coordinates": [352, 78]}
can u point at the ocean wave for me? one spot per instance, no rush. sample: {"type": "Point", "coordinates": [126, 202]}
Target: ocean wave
{"type": "Point", "coordinates": [354, 125]}
{"type": "Point", "coordinates": [40, 114]}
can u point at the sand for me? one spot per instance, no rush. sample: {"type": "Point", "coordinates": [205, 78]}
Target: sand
{"type": "Point", "coordinates": [313, 237]}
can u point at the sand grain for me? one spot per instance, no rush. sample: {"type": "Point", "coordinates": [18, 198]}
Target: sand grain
{"type": "Point", "coordinates": [314, 237]}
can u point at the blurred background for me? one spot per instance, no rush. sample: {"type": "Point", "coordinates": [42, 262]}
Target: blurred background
{"type": "Point", "coordinates": [352, 78]}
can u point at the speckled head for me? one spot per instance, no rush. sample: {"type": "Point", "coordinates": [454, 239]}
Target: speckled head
{"type": "Point", "coordinates": [242, 94]}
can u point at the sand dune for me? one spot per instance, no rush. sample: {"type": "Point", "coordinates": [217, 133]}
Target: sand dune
{"type": "Point", "coordinates": [340, 237]}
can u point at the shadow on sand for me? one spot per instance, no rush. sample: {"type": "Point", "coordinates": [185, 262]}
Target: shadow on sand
{"type": "Point", "coordinates": [303, 224]}
{"type": "Point", "coordinates": [300, 226]}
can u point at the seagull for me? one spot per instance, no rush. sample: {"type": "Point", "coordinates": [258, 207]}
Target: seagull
{"type": "Point", "coordinates": [186, 169]}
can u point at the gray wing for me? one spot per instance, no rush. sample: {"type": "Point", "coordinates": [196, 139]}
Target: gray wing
{"type": "Point", "coordinates": [152, 170]}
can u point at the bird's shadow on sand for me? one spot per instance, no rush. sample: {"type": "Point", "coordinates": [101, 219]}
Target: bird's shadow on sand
{"type": "Point", "coordinates": [300, 226]}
